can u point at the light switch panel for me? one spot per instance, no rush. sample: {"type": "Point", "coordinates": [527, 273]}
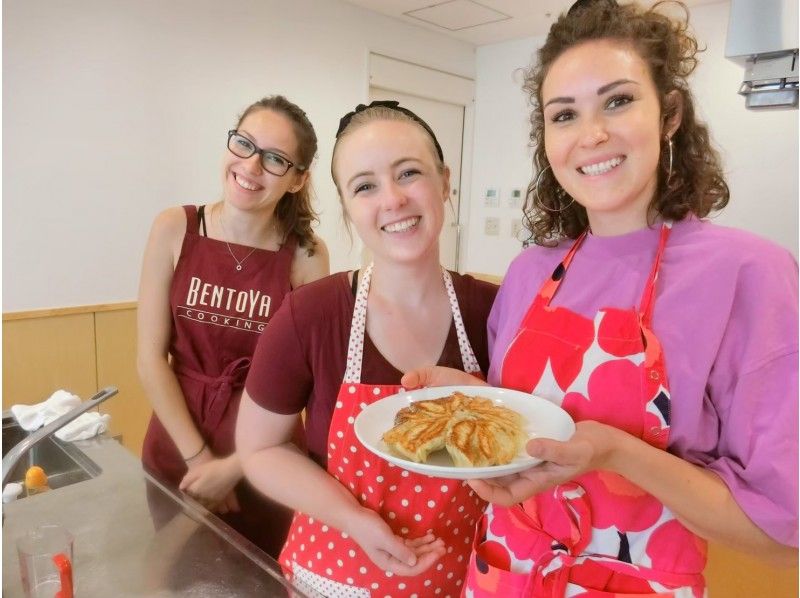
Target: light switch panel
{"type": "Point", "coordinates": [491, 198]}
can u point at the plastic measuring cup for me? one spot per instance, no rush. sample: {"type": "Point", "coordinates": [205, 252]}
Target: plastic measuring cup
{"type": "Point", "coordinates": [45, 561]}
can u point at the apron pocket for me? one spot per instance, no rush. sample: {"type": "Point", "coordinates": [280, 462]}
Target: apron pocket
{"type": "Point", "coordinates": [305, 580]}
{"type": "Point", "coordinates": [598, 581]}
{"type": "Point", "coordinates": [486, 576]}
{"type": "Point", "coordinates": [573, 590]}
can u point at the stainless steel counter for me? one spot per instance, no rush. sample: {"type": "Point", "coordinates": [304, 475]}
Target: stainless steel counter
{"type": "Point", "coordinates": [118, 550]}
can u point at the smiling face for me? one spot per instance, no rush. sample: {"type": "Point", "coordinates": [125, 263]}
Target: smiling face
{"type": "Point", "coordinates": [392, 190]}
{"type": "Point", "coordinates": [246, 184]}
{"type": "Point", "coordinates": [603, 132]}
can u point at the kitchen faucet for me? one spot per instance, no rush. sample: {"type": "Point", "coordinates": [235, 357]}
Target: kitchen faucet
{"type": "Point", "coordinates": [23, 446]}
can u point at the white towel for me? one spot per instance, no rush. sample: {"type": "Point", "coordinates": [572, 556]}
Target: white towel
{"type": "Point", "coordinates": [86, 425]}
{"type": "Point", "coordinates": [33, 417]}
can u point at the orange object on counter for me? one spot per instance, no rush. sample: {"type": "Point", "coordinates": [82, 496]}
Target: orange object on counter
{"type": "Point", "coordinates": [36, 480]}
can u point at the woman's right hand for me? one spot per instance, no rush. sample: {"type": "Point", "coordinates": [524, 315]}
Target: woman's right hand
{"type": "Point", "coordinates": [210, 481]}
{"type": "Point", "coordinates": [401, 556]}
{"type": "Point", "coordinates": [438, 375]}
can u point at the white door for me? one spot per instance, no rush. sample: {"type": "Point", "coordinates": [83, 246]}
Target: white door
{"type": "Point", "coordinates": [447, 122]}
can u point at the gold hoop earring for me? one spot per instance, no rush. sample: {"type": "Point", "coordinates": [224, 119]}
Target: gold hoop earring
{"type": "Point", "coordinates": [537, 201]}
{"type": "Point", "coordinates": [669, 171]}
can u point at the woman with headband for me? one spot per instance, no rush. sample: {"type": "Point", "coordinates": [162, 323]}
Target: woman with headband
{"type": "Point", "coordinates": [364, 527]}
{"type": "Point", "coordinates": [671, 341]}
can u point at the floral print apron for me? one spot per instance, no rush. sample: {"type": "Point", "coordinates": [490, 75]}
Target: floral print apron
{"type": "Point", "coordinates": [598, 535]}
{"type": "Point", "coordinates": [327, 560]}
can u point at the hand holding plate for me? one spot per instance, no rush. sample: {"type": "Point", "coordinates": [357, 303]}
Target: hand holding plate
{"type": "Point", "coordinates": [543, 419]}
{"type": "Point", "coordinates": [438, 375]}
{"type": "Point", "coordinates": [587, 450]}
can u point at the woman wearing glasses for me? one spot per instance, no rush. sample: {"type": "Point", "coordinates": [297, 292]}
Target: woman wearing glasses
{"type": "Point", "coordinates": [212, 278]}
{"type": "Point", "coordinates": [364, 527]}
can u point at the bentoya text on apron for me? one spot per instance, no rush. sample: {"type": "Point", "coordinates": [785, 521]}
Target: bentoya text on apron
{"type": "Point", "coordinates": [328, 560]}
{"type": "Point", "coordinates": [598, 535]}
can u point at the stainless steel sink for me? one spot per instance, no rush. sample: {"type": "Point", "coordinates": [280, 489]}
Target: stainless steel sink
{"type": "Point", "coordinates": [62, 462]}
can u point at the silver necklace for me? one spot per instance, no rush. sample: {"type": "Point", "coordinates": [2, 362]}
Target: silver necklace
{"type": "Point", "coordinates": [238, 261]}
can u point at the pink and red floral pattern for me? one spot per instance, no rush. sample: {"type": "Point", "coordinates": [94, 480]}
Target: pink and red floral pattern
{"type": "Point", "coordinates": [600, 535]}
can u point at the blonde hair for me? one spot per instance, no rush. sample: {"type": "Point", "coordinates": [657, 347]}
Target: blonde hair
{"type": "Point", "coordinates": [376, 114]}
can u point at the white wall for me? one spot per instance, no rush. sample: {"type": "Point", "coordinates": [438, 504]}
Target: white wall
{"type": "Point", "coordinates": [759, 149]}
{"type": "Point", "coordinates": [501, 155]}
{"type": "Point", "coordinates": [114, 110]}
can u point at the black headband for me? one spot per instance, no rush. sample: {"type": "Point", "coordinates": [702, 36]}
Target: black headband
{"type": "Point", "coordinates": [581, 4]}
{"type": "Point", "coordinates": [392, 105]}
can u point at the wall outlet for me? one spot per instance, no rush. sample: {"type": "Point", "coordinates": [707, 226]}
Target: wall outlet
{"type": "Point", "coordinates": [516, 198]}
{"type": "Point", "coordinates": [516, 228]}
{"type": "Point", "coordinates": [491, 226]}
{"type": "Point", "coordinates": [491, 198]}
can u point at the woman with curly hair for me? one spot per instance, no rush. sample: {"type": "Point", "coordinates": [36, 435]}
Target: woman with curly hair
{"type": "Point", "coordinates": [670, 340]}
{"type": "Point", "coordinates": [212, 278]}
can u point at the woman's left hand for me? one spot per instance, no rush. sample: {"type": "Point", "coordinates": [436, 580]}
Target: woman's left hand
{"type": "Point", "coordinates": [400, 556]}
{"type": "Point", "coordinates": [590, 448]}
{"type": "Point", "coordinates": [211, 483]}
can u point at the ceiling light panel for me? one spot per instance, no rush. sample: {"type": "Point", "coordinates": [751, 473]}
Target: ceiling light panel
{"type": "Point", "coordinates": [455, 15]}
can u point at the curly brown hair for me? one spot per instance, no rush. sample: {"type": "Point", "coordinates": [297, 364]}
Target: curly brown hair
{"type": "Point", "coordinates": [697, 184]}
{"type": "Point", "coordinates": [294, 212]}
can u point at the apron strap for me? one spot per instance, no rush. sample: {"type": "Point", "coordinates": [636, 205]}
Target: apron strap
{"type": "Point", "coordinates": [467, 354]}
{"type": "Point", "coordinates": [231, 379]}
{"type": "Point", "coordinates": [550, 286]}
{"type": "Point", "coordinates": [234, 373]}
{"type": "Point", "coordinates": [355, 346]}
{"type": "Point", "coordinates": [192, 220]}
{"type": "Point", "coordinates": [646, 303]}
{"type": "Point", "coordinates": [358, 325]}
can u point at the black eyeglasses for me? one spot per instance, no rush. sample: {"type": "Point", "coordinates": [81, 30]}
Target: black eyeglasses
{"type": "Point", "coordinates": [273, 163]}
{"type": "Point", "coordinates": [393, 105]}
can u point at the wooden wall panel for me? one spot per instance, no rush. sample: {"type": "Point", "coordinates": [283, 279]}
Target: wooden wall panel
{"type": "Point", "coordinates": [116, 366]}
{"type": "Point", "coordinates": [41, 355]}
{"type": "Point", "coordinates": [732, 574]}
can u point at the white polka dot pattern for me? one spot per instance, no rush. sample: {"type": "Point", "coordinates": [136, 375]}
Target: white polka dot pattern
{"type": "Point", "coordinates": [355, 346]}
{"type": "Point", "coordinates": [305, 580]}
{"type": "Point", "coordinates": [467, 355]}
{"type": "Point", "coordinates": [411, 504]}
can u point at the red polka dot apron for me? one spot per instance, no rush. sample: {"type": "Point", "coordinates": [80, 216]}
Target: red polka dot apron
{"type": "Point", "coordinates": [598, 535]}
{"type": "Point", "coordinates": [330, 562]}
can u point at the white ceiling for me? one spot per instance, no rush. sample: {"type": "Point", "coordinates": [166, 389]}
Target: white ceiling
{"type": "Point", "coordinates": [481, 22]}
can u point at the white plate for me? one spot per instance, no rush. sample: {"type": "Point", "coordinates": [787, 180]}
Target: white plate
{"type": "Point", "coordinates": [543, 419]}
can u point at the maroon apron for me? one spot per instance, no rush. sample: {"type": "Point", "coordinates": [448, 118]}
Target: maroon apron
{"type": "Point", "coordinates": [218, 313]}
{"type": "Point", "coordinates": [599, 535]}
